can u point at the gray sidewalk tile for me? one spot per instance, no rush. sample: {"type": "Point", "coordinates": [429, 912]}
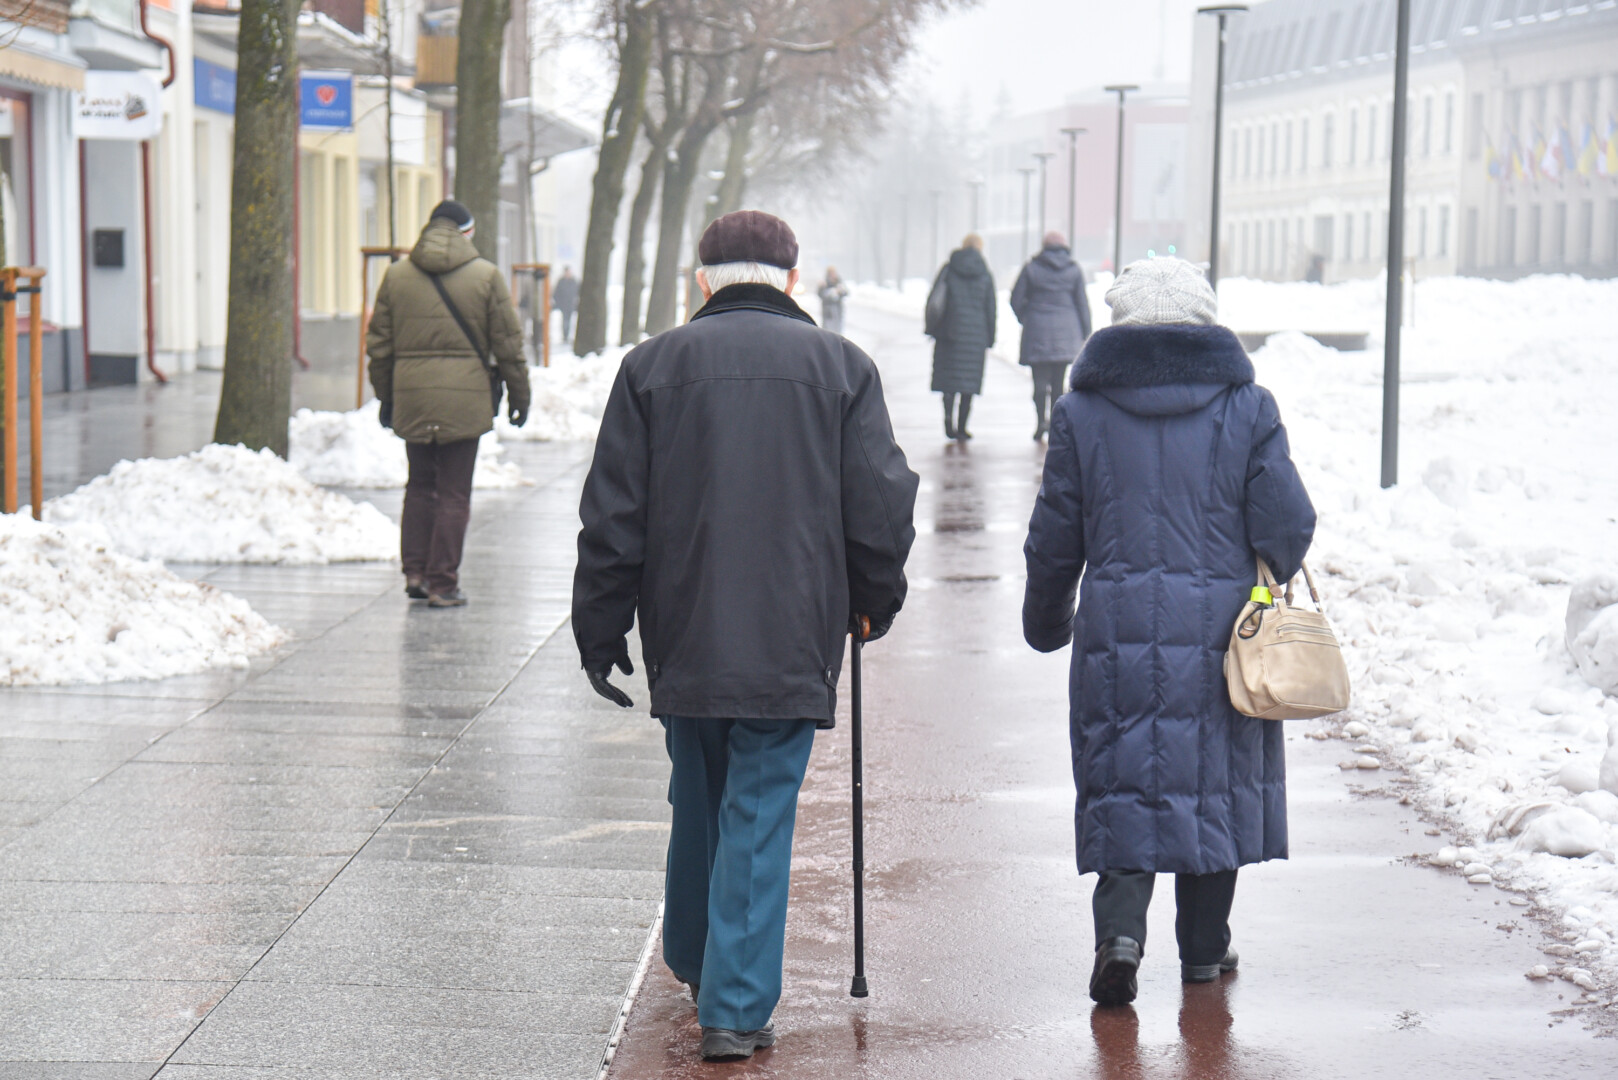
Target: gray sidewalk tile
{"type": "Point", "coordinates": [99, 1020]}
{"type": "Point", "coordinates": [224, 747]}
{"type": "Point", "coordinates": [154, 897]}
{"type": "Point", "coordinates": [134, 946]}
{"type": "Point", "coordinates": [78, 1070]}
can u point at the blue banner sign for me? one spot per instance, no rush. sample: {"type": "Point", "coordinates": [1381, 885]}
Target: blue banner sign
{"type": "Point", "coordinates": [215, 86]}
{"type": "Point", "coordinates": [326, 99]}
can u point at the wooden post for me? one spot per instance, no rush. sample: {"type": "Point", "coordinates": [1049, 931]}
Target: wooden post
{"type": "Point", "coordinates": [8, 386]}
{"type": "Point", "coordinates": [393, 255]}
{"type": "Point", "coordinates": [36, 395]}
{"type": "Point", "coordinates": [9, 291]}
{"type": "Point", "coordinates": [542, 296]}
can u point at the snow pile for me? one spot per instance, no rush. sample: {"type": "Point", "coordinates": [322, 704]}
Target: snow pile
{"type": "Point", "coordinates": [1452, 591]}
{"type": "Point", "coordinates": [569, 398]}
{"type": "Point", "coordinates": [225, 504]}
{"type": "Point", "coordinates": [353, 450]}
{"type": "Point", "coordinates": [72, 611]}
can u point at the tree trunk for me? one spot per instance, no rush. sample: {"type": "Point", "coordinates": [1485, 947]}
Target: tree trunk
{"type": "Point", "coordinates": [624, 116]}
{"type": "Point", "coordinates": [477, 117]}
{"type": "Point", "coordinates": [733, 188]}
{"type": "Point", "coordinates": [256, 398]}
{"type": "Point", "coordinates": [679, 177]}
{"type": "Point", "coordinates": [640, 212]}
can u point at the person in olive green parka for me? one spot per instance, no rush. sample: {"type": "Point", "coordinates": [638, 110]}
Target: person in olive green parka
{"type": "Point", "coordinates": [436, 390]}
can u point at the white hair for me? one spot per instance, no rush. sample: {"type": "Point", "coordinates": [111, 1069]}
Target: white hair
{"type": "Point", "coordinates": [720, 275]}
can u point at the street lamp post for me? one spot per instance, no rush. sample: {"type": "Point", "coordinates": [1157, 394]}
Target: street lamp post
{"type": "Point", "coordinates": [1027, 181]}
{"type": "Point", "coordinates": [1072, 134]}
{"type": "Point", "coordinates": [1223, 11]}
{"type": "Point", "coordinates": [1044, 158]}
{"type": "Point", "coordinates": [1118, 182]}
{"type": "Point", "coordinates": [1396, 251]}
{"type": "Point", "coordinates": [977, 189]}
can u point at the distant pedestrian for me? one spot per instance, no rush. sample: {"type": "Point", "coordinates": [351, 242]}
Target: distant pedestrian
{"type": "Point", "coordinates": [746, 502]}
{"type": "Point", "coordinates": [960, 320]}
{"type": "Point", "coordinates": [1168, 475]}
{"type": "Point", "coordinates": [1050, 302]}
{"type": "Point", "coordinates": [832, 294]}
{"type": "Point", "coordinates": [565, 298]}
{"type": "Point", "coordinates": [442, 341]}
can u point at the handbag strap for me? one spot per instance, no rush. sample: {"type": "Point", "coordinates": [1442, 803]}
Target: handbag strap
{"type": "Point", "coordinates": [1268, 584]}
{"type": "Point", "coordinates": [460, 320]}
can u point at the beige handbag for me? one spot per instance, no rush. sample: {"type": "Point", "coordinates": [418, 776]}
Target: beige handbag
{"type": "Point", "coordinates": [1284, 662]}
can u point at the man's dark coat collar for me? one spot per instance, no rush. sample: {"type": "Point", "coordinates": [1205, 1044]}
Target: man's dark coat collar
{"type": "Point", "coordinates": [1143, 356]}
{"type": "Point", "coordinates": [751, 296]}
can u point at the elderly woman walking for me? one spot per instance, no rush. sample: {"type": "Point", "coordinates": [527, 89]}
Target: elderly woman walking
{"type": "Point", "coordinates": [1050, 302]}
{"type": "Point", "coordinates": [1168, 474]}
{"type": "Point", "coordinates": [960, 320]}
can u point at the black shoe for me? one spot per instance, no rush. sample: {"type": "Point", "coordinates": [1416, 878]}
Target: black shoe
{"type": "Point", "coordinates": [1207, 973]}
{"type": "Point", "coordinates": [450, 599]}
{"type": "Point", "coordinates": [695, 988]}
{"type": "Point", "coordinates": [1113, 980]}
{"type": "Point", "coordinates": [415, 588]}
{"type": "Point", "coordinates": [949, 430]}
{"type": "Point", "coordinates": [718, 1044]}
{"type": "Point", "coordinates": [962, 435]}
{"type": "Point", "coordinates": [1039, 433]}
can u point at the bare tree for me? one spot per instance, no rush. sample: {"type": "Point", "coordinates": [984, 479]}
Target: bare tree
{"type": "Point", "coordinates": [256, 398]}
{"type": "Point", "coordinates": [477, 116]}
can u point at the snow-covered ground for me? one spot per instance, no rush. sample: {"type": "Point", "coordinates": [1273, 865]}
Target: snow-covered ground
{"type": "Point", "coordinates": [353, 450]}
{"type": "Point", "coordinates": [1451, 590]}
{"type": "Point", "coordinates": [569, 398]}
{"type": "Point", "coordinates": [224, 504]}
{"type": "Point", "coordinates": [73, 611]}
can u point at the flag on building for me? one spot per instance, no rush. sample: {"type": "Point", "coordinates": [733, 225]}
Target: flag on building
{"type": "Point", "coordinates": [1496, 164]}
{"type": "Point", "coordinates": [1518, 171]}
{"type": "Point", "coordinates": [1589, 151]}
{"type": "Point", "coordinates": [1544, 158]}
{"type": "Point", "coordinates": [1567, 158]}
{"type": "Point", "coordinates": [1607, 162]}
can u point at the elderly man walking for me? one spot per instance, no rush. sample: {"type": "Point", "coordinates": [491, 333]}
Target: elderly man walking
{"type": "Point", "coordinates": [443, 340]}
{"type": "Point", "coordinates": [749, 502]}
{"type": "Point", "coordinates": [1050, 302]}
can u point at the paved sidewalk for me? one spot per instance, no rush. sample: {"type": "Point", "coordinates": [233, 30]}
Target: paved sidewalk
{"type": "Point", "coordinates": [411, 845]}
{"type": "Point", "coordinates": [1355, 962]}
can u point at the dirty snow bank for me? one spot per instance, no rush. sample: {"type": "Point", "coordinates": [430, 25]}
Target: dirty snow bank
{"type": "Point", "coordinates": [1451, 591]}
{"type": "Point", "coordinates": [353, 450]}
{"type": "Point", "coordinates": [72, 611]}
{"type": "Point", "coordinates": [225, 504]}
{"type": "Point", "coordinates": [569, 398]}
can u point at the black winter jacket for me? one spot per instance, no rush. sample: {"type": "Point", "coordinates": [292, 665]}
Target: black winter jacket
{"type": "Point", "coordinates": [1050, 302]}
{"type": "Point", "coordinates": [746, 494]}
{"type": "Point", "coordinates": [967, 329]}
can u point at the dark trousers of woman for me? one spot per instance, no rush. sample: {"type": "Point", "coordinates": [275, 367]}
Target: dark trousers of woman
{"type": "Point", "coordinates": [1202, 919]}
{"type": "Point", "coordinates": [955, 416]}
{"type": "Point", "coordinates": [437, 506]}
{"type": "Point", "coordinates": [1048, 379]}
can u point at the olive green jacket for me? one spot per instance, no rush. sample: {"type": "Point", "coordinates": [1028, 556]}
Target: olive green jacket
{"type": "Point", "coordinates": [421, 362]}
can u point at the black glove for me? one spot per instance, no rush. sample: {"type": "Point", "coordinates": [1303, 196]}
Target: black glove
{"type": "Point", "coordinates": [385, 415]}
{"type": "Point", "coordinates": [870, 627]}
{"type": "Point", "coordinates": [517, 414]}
{"type": "Point", "coordinates": [599, 683]}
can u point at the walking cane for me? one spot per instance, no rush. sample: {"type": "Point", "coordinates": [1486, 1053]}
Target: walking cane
{"type": "Point", "coordinates": [858, 989]}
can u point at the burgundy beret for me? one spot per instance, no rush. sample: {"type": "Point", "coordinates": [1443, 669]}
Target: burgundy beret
{"type": "Point", "coordinates": [749, 236]}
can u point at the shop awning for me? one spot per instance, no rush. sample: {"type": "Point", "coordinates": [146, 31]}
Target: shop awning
{"type": "Point", "coordinates": [323, 43]}
{"type": "Point", "coordinates": [533, 133]}
{"type": "Point", "coordinates": [19, 62]}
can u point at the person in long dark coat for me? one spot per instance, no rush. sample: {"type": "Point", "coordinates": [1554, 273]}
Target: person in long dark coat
{"type": "Point", "coordinates": [833, 294]}
{"type": "Point", "coordinates": [1050, 302]}
{"type": "Point", "coordinates": [960, 320]}
{"type": "Point", "coordinates": [1168, 475]}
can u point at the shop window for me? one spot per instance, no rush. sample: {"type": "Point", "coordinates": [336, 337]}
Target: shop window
{"type": "Point", "coordinates": [1469, 252]}
{"type": "Point", "coordinates": [1443, 232]}
{"type": "Point", "coordinates": [16, 179]}
{"type": "Point", "coordinates": [1507, 257]}
{"type": "Point", "coordinates": [1585, 237]}
{"type": "Point", "coordinates": [1559, 234]}
{"type": "Point", "coordinates": [1536, 235]}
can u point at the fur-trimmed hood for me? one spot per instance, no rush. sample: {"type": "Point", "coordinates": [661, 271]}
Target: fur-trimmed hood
{"type": "Point", "coordinates": [1162, 370]}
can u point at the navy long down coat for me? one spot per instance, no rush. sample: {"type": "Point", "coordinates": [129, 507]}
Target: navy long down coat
{"type": "Point", "coordinates": [1050, 302]}
{"type": "Point", "coordinates": [1168, 469]}
{"type": "Point", "coordinates": [967, 330]}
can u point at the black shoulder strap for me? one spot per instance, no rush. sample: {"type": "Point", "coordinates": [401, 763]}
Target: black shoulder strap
{"type": "Point", "coordinates": [460, 320]}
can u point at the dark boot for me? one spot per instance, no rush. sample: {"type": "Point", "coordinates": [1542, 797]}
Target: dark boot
{"type": "Point", "coordinates": [1112, 982]}
{"type": "Point", "coordinates": [949, 416]}
{"type": "Point", "coordinates": [719, 1044]}
{"type": "Point", "coordinates": [960, 418]}
{"type": "Point", "coordinates": [1206, 973]}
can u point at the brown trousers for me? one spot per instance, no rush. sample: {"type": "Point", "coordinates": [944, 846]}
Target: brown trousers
{"type": "Point", "coordinates": [437, 506]}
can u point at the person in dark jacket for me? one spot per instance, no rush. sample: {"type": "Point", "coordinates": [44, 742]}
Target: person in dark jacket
{"type": "Point", "coordinates": [1168, 475]}
{"type": "Point", "coordinates": [565, 298]}
{"type": "Point", "coordinates": [960, 320]}
{"type": "Point", "coordinates": [438, 379]}
{"type": "Point", "coordinates": [1050, 302]}
{"type": "Point", "coordinates": [747, 500]}
{"type": "Point", "coordinates": [833, 292]}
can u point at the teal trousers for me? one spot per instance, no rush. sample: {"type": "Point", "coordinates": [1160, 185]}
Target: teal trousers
{"type": "Point", "coordinates": [734, 790]}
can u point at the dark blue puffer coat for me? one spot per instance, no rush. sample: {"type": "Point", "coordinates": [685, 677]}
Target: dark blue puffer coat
{"type": "Point", "coordinates": [1050, 302]}
{"type": "Point", "coordinates": [1168, 469]}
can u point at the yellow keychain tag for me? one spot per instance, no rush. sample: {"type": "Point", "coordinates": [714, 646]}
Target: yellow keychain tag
{"type": "Point", "coordinates": [1262, 595]}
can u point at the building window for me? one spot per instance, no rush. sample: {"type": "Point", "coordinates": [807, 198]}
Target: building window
{"type": "Point", "coordinates": [1303, 145]}
{"type": "Point", "coordinates": [1246, 239]}
{"type": "Point", "coordinates": [1449, 123]}
{"type": "Point", "coordinates": [1586, 234]}
{"type": "Point", "coordinates": [1286, 246]}
{"type": "Point", "coordinates": [1353, 136]}
{"type": "Point", "coordinates": [16, 174]}
{"type": "Point", "coordinates": [1507, 256]}
{"type": "Point", "coordinates": [1327, 133]}
{"type": "Point", "coordinates": [1421, 233]}
{"type": "Point", "coordinates": [1370, 237]}
{"type": "Point", "coordinates": [1559, 234]}
{"type": "Point", "coordinates": [1323, 230]}
{"type": "Point", "coordinates": [1370, 133]}
{"type": "Point", "coordinates": [1443, 232]}
{"type": "Point", "coordinates": [1427, 127]}
{"type": "Point", "coordinates": [1275, 146]}
{"type": "Point", "coordinates": [1269, 246]}
{"type": "Point", "coordinates": [1612, 232]}
{"type": "Point", "coordinates": [1348, 237]}
{"type": "Point", "coordinates": [1247, 152]}
{"type": "Point", "coordinates": [1469, 252]}
{"type": "Point", "coordinates": [1536, 235]}
{"type": "Point", "coordinates": [1474, 130]}
{"type": "Point", "coordinates": [1286, 155]}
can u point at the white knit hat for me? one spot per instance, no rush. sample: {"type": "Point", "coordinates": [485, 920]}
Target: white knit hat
{"type": "Point", "coordinates": [1155, 292]}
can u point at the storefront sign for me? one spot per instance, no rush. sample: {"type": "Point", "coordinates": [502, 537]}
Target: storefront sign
{"type": "Point", "coordinates": [215, 86]}
{"type": "Point", "coordinates": [118, 105]}
{"type": "Point", "coordinates": [326, 99]}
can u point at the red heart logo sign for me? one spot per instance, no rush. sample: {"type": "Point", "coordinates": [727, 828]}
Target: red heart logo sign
{"type": "Point", "coordinates": [326, 94]}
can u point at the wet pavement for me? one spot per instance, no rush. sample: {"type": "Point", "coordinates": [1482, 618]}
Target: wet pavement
{"type": "Point", "coordinates": [1355, 962]}
{"type": "Point", "coordinates": [413, 845]}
